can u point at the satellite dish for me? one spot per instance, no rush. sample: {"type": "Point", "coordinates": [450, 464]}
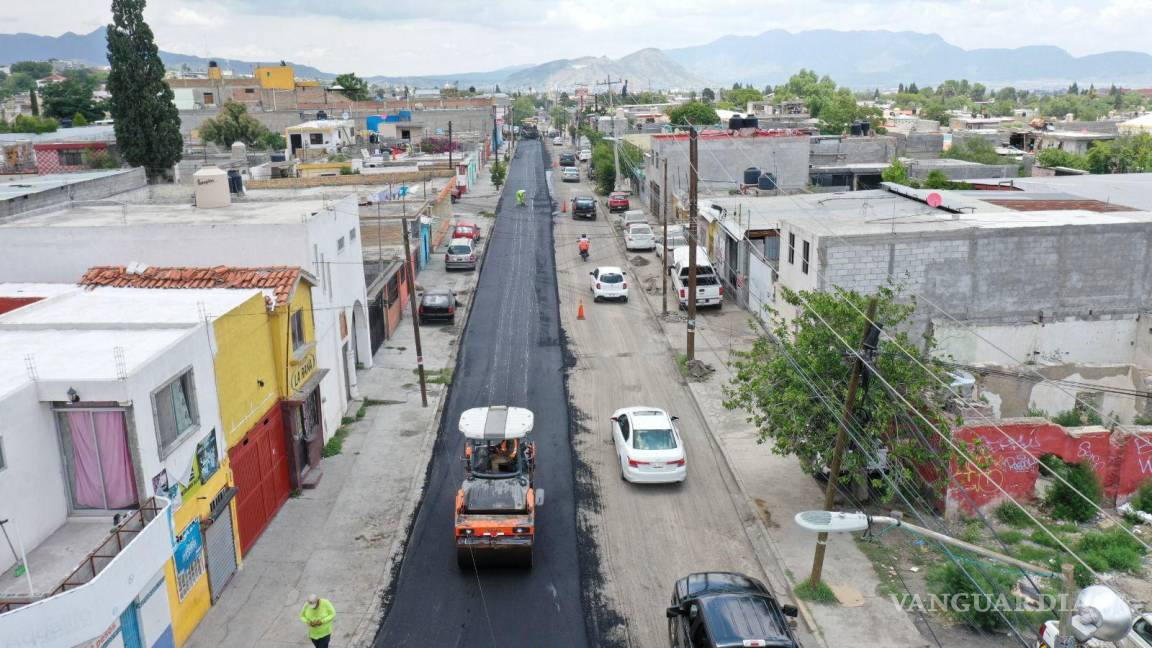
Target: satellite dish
{"type": "Point", "coordinates": [934, 199]}
{"type": "Point", "coordinates": [831, 522]}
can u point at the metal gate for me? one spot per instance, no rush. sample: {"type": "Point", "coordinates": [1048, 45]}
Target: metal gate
{"type": "Point", "coordinates": [221, 548]}
{"type": "Point", "coordinates": [260, 466]}
{"type": "Point", "coordinates": [377, 322]}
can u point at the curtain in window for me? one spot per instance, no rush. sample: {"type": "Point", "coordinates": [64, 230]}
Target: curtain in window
{"type": "Point", "coordinates": [115, 459]}
{"type": "Point", "coordinates": [180, 406]}
{"type": "Point", "coordinates": [87, 490]}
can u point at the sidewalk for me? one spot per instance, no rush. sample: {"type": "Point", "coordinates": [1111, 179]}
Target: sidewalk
{"type": "Point", "coordinates": [777, 488]}
{"type": "Point", "coordinates": [342, 539]}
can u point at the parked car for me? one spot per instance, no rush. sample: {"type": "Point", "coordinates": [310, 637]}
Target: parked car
{"type": "Point", "coordinates": [722, 609]}
{"type": "Point", "coordinates": [670, 245]}
{"type": "Point", "coordinates": [558, 141]}
{"type": "Point", "coordinates": [461, 255]}
{"type": "Point", "coordinates": [648, 446]}
{"type": "Point", "coordinates": [709, 291]}
{"type": "Point", "coordinates": [438, 305]}
{"type": "Point", "coordinates": [618, 201]}
{"type": "Point", "coordinates": [567, 160]}
{"type": "Point", "coordinates": [639, 236]}
{"type": "Point", "coordinates": [584, 207]}
{"type": "Point", "coordinates": [608, 282]}
{"type": "Point", "coordinates": [633, 217]}
{"type": "Point", "coordinates": [1140, 636]}
{"type": "Point", "coordinates": [584, 155]}
{"type": "Point", "coordinates": [466, 230]}
{"type": "Point", "coordinates": [570, 174]}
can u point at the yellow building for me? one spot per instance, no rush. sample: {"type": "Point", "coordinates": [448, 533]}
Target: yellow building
{"type": "Point", "coordinates": [276, 77]}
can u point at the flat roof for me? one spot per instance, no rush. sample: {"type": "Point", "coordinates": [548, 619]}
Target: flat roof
{"type": "Point", "coordinates": [105, 133]}
{"type": "Point", "coordinates": [322, 124]}
{"type": "Point", "coordinates": [129, 307]}
{"type": "Point", "coordinates": [16, 186]}
{"type": "Point", "coordinates": [1129, 189]}
{"type": "Point", "coordinates": [1077, 135]}
{"type": "Point", "coordinates": [42, 290]}
{"type": "Point", "coordinates": [114, 214]}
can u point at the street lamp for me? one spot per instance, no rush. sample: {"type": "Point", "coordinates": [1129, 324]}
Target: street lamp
{"type": "Point", "coordinates": [1100, 613]}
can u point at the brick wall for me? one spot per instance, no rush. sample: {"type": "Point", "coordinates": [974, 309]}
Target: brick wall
{"type": "Point", "coordinates": [340, 181]}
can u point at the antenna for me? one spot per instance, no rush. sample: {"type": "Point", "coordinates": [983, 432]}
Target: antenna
{"type": "Point", "coordinates": [30, 366]}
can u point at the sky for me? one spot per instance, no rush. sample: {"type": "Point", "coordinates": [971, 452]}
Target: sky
{"type": "Point", "coordinates": [410, 37]}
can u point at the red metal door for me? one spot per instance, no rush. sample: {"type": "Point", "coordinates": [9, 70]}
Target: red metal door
{"type": "Point", "coordinates": [260, 467]}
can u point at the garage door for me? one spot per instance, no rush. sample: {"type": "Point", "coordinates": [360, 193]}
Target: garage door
{"type": "Point", "coordinates": [221, 548]}
{"type": "Point", "coordinates": [260, 466]}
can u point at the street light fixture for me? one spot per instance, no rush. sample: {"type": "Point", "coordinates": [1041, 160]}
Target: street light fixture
{"type": "Point", "coordinates": [1100, 613]}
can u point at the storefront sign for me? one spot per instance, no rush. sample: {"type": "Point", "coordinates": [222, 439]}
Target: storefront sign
{"type": "Point", "coordinates": [298, 376]}
{"type": "Point", "coordinates": [208, 457]}
{"type": "Point", "coordinates": [188, 557]}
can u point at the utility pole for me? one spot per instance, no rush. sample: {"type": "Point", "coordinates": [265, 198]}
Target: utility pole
{"type": "Point", "coordinates": [615, 136]}
{"type": "Point", "coordinates": [495, 144]}
{"type": "Point", "coordinates": [664, 253]}
{"type": "Point", "coordinates": [415, 312]}
{"type": "Point", "coordinates": [450, 148]}
{"type": "Point", "coordinates": [692, 180]}
{"type": "Point", "coordinates": [871, 331]}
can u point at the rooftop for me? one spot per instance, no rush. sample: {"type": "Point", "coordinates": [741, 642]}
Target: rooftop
{"type": "Point", "coordinates": [1076, 135]}
{"type": "Point", "coordinates": [117, 215]}
{"type": "Point", "coordinates": [16, 186]}
{"type": "Point", "coordinates": [103, 133]}
{"type": "Point", "coordinates": [279, 280]}
{"type": "Point", "coordinates": [321, 124]}
{"type": "Point", "coordinates": [125, 307]}
{"type": "Point", "coordinates": [1130, 189]}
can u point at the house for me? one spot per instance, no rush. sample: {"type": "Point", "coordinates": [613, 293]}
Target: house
{"type": "Point", "coordinates": [66, 150]}
{"type": "Point", "coordinates": [112, 443]}
{"type": "Point", "coordinates": [50, 79]}
{"type": "Point", "coordinates": [1075, 142]}
{"type": "Point", "coordinates": [319, 236]}
{"type": "Point", "coordinates": [978, 123]}
{"type": "Point", "coordinates": [319, 138]}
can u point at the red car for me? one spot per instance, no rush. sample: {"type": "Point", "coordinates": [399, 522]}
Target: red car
{"type": "Point", "coordinates": [618, 201]}
{"type": "Point", "coordinates": [466, 230]}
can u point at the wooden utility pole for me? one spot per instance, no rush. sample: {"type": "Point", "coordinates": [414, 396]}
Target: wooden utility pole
{"type": "Point", "coordinates": [664, 253]}
{"type": "Point", "coordinates": [415, 313]}
{"type": "Point", "coordinates": [615, 136]}
{"type": "Point", "coordinates": [450, 148]}
{"type": "Point", "coordinates": [858, 368]}
{"type": "Point", "coordinates": [693, 178]}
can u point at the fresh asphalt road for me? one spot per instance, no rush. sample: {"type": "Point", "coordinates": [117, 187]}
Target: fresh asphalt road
{"type": "Point", "coordinates": [510, 354]}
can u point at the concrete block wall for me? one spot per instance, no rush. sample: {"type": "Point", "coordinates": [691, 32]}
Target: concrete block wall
{"type": "Point", "coordinates": [852, 150]}
{"type": "Point", "coordinates": [722, 161]}
{"type": "Point", "coordinates": [92, 189]}
{"type": "Point", "coordinates": [964, 171]}
{"type": "Point", "coordinates": [918, 145]}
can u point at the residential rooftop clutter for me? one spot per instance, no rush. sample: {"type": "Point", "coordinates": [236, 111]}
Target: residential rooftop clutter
{"type": "Point", "coordinates": [62, 151]}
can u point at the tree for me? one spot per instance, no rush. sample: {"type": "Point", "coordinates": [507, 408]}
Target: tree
{"type": "Point", "coordinates": [522, 108]}
{"type": "Point", "coordinates": [708, 95]}
{"type": "Point", "coordinates": [900, 89]}
{"type": "Point", "coordinates": [499, 171]}
{"type": "Point", "coordinates": [79, 119]}
{"type": "Point", "coordinates": [1054, 157]}
{"type": "Point", "coordinates": [32, 124]}
{"type": "Point", "coordinates": [71, 96]}
{"type": "Point", "coordinates": [560, 117]}
{"type": "Point", "coordinates": [693, 113]}
{"type": "Point", "coordinates": [355, 88]}
{"type": "Point", "coordinates": [234, 124]}
{"type": "Point", "coordinates": [793, 383]}
{"type": "Point", "coordinates": [896, 172]}
{"type": "Point", "coordinates": [738, 98]}
{"type": "Point", "coordinates": [34, 69]}
{"type": "Point", "coordinates": [605, 166]}
{"type": "Point", "coordinates": [975, 149]}
{"type": "Point", "coordinates": [936, 179]}
{"type": "Point", "coordinates": [146, 120]}
{"type": "Point", "coordinates": [33, 103]}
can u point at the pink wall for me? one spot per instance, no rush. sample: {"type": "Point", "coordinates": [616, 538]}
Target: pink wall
{"type": "Point", "coordinates": [1121, 460]}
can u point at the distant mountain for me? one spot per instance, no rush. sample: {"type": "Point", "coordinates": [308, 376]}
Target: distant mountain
{"type": "Point", "coordinates": [643, 69]}
{"type": "Point", "coordinates": [865, 59]}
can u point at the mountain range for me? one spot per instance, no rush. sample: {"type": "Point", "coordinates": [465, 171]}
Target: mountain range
{"type": "Point", "coordinates": [859, 59]}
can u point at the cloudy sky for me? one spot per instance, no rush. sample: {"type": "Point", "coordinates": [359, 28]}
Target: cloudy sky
{"type": "Point", "coordinates": [395, 37]}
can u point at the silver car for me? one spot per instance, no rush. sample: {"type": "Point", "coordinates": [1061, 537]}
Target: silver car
{"type": "Point", "coordinates": [639, 237]}
{"type": "Point", "coordinates": [461, 255]}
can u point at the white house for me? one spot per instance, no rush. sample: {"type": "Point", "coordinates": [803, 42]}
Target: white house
{"type": "Point", "coordinates": [320, 137]}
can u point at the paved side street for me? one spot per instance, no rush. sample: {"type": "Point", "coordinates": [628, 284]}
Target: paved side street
{"type": "Point", "coordinates": [341, 539]}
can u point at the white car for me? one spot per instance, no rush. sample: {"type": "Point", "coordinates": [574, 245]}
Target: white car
{"type": "Point", "coordinates": [558, 141]}
{"type": "Point", "coordinates": [633, 216]}
{"type": "Point", "coordinates": [1140, 636]}
{"type": "Point", "coordinates": [584, 155]}
{"type": "Point", "coordinates": [608, 282]}
{"type": "Point", "coordinates": [570, 174]}
{"type": "Point", "coordinates": [639, 236]}
{"type": "Point", "coordinates": [648, 446]}
{"type": "Point", "coordinates": [670, 245]}
{"type": "Point", "coordinates": [461, 255]}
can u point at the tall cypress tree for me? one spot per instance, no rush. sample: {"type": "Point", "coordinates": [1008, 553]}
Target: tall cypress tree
{"type": "Point", "coordinates": [146, 120]}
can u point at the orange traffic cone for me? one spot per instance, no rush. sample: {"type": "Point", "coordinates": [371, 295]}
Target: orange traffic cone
{"type": "Point", "coordinates": [580, 311]}
{"type": "Point", "coordinates": [564, 206]}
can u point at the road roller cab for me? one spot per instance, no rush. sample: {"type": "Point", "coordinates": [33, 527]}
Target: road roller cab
{"type": "Point", "coordinates": [496, 504]}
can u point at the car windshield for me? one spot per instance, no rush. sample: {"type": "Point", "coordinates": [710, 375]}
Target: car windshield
{"type": "Point", "coordinates": [654, 440]}
{"type": "Point", "coordinates": [641, 230]}
{"type": "Point", "coordinates": [584, 202]}
{"type": "Point", "coordinates": [464, 229]}
{"type": "Point", "coordinates": [436, 299]}
{"type": "Point", "coordinates": [459, 249]}
{"type": "Point", "coordinates": [611, 278]}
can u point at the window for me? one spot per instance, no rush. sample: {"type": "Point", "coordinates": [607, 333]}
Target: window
{"type": "Point", "coordinates": [249, 91]}
{"type": "Point", "coordinates": [352, 234]}
{"type": "Point", "coordinates": [298, 336]}
{"type": "Point", "coordinates": [623, 422]}
{"type": "Point", "coordinates": [209, 99]}
{"type": "Point", "coordinates": [315, 138]}
{"type": "Point", "coordinates": [70, 158]}
{"type": "Point", "coordinates": [804, 259]}
{"type": "Point", "coordinates": [791, 248]}
{"type": "Point", "coordinates": [340, 244]}
{"type": "Point", "coordinates": [175, 411]}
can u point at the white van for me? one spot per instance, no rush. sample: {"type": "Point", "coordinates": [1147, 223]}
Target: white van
{"type": "Point", "coordinates": [709, 291]}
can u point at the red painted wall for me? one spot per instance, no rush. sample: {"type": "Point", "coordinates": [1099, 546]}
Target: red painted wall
{"type": "Point", "coordinates": [12, 303]}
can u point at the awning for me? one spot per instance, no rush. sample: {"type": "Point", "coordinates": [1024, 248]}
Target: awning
{"type": "Point", "coordinates": [301, 395]}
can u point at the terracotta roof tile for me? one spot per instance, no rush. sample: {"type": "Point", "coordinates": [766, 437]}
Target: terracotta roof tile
{"type": "Point", "coordinates": [280, 279]}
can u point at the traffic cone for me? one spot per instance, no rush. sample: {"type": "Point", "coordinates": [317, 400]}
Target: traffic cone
{"type": "Point", "coordinates": [564, 206]}
{"type": "Point", "coordinates": [580, 311]}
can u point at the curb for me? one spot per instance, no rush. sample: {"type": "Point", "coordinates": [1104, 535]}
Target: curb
{"type": "Point", "coordinates": [760, 539]}
{"type": "Point", "coordinates": [365, 635]}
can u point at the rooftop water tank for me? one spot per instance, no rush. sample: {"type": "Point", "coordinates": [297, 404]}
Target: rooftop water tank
{"type": "Point", "coordinates": [767, 182]}
{"type": "Point", "coordinates": [751, 175]}
{"type": "Point", "coordinates": [735, 122]}
{"type": "Point", "coordinates": [211, 188]}
{"type": "Point", "coordinates": [864, 127]}
{"type": "Point", "coordinates": [751, 121]}
{"type": "Point", "coordinates": [854, 129]}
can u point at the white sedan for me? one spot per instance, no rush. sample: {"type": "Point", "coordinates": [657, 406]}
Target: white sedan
{"type": "Point", "coordinates": [558, 141]}
{"type": "Point", "coordinates": [639, 236]}
{"type": "Point", "coordinates": [648, 446]}
{"type": "Point", "coordinates": [608, 282]}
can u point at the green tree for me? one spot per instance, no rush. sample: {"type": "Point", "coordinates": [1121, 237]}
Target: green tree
{"type": "Point", "coordinates": [72, 96]}
{"type": "Point", "coordinates": [975, 149]}
{"type": "Point", "coordinates": [146, 120]}
{"type": "Point", "coordinates": [34, 69]}
{"type": "Point", "coordinates": [896, 172]}
{"type": "Point", "coordinates": [355, 88]}
{"type": "Point", "coordinates": [522, 108]}
{"type": "Point", "coordinates": [936, 179]}
{"type": "Point", "coordinates": [233, 124]}
{"type": "Point", "coordinates": [792, 383]}
{"type": "Point", "coordinates": [79, 119]}
{"type": "Point", "coordinates": [708, 95]}
{"type": "Point", "coordinates": [1053, 157]}
{"type": "Point", "coordinates": [738, 99]}
{"type": "Point", "coordinates": [33, 103]}
{"type": "Point", "coordinates": [499, 172]}
{"type": "Point", "coordinates": [16, 83]}
{"type": "Point", "coordinates": [272, 141]}
{"type": "Point", "coordinates": [605, 166]}
{"type": "Point", "coordinates": [32, 124]}
{"type": "Point", "coordinates": [693, 113]}
{"type": "Point", "coordinates": [560, 117]}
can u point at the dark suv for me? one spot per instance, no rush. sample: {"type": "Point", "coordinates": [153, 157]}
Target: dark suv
{"type": "Point", "coordinates": [567, 159]}
{"type": "Point", "coordinates": [583, 207]}
{"type": "Point", "coordinates": [723, 609]}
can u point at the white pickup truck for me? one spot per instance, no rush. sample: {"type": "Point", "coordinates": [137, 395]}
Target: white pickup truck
{"type": "Point", "coordinates": [709, 291]}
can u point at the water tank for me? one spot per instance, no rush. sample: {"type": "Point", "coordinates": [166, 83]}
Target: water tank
{"type": "Point", "coordinates": [766, 182]}
{"type": "Point", "coordinates": [854, 129]}
{"type": "Point", "coordinates": [239, 152]}
{"type": "Point", "coordinates": [735, 122]}
{"type": "Point", "coordinates": [211, 188]}
{"type": "Point", "coordinates": [372, 123]}
{"type": "Point", "coordinates": [65, 122]}
{"type": "Point", "coordinates": [235, 182]}
{"type": "Point", "coordinates": [865, 127]}
{"type": "Point", "coordinates": [405, 115]}
{"type": "Point", "coordinates": [751, 175]}
{"type": "Point", "coordinates": [751, 121]}
{"type": "Point", "coordinates": [321, 115]}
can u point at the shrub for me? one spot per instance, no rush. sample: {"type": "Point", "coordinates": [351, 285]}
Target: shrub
{"type": "Point", "coordinates": [1074, 497]}
{"type": "Point", "coordinates": [1112, 550]}
{"type": "Point", "coordinates": [1142, 500]}
{"type": "Point", "coordinates": [1011, 536]}
{"type": "Point", "coordinates": [985, 579]}
{"type": "Point", "coordinates": [819, 593]}
{"type": "Point", "coordinates": [1012, 514]}
{"type": "Point", "coordinates": [1068, 418]}
{"type": "Point", "coordinates": [1044, 539]}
